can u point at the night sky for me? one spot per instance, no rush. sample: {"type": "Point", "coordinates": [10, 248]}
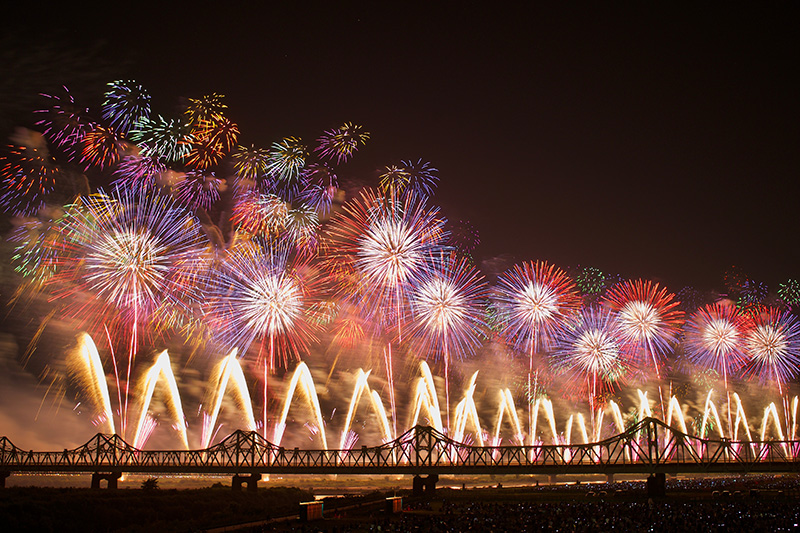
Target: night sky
{"type": "Point", "coordinates": [650, 141]}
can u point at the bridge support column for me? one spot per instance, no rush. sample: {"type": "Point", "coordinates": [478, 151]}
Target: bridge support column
{"type": "Point", "coordinates": [112, 479]}
{"type": "Point", "coordinates": [430, 484]}
{"type": "Point", "coordinates": [424, 486]}
{"type": "Point", "coordinates": [416, 487]}
{"type": "Point", "coordinates": [3, 476]}
{"type": "Point", "coordinates": [251, 481]}
{"type": "Point", "coordinates": [609, 478]}
{"type": "Point", "coordinates": [657, 485]}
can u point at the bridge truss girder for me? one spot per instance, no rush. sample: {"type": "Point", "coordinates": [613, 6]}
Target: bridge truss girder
{"type": "Point", "coordinates": [648, 447]}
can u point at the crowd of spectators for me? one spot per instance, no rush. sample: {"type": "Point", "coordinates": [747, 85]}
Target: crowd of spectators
{"type": "Point", "coordinates": [601, 515]}
{"type": "Point", "coordinates": [752, 504]}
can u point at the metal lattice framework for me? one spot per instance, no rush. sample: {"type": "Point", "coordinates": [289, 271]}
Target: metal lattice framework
{"type": "Point", "coordinates": [649, 446]}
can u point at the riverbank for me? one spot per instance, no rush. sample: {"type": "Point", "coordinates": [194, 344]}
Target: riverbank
{"type": "Point", "coordinates": [137, 510]}
{"type": "Point", "coordinates": [275, 508]}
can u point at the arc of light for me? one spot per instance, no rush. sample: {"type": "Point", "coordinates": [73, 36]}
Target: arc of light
{"type": "Point", "coordinates": [422, 399]}
{"type": "Point", "coordinates": [507, 406]}
{"type": "Point", "coordinates": [741, 418]}
{"type": "Point", "coordinates": [466, 410]}
{"type": "Point", "coordinates": [617, 414]}
{"type": "Point", "coordinates": [644, 408]}
{"type": "Point", "coordinates": [599, 424]}
{"type": "Point", "coordinates": [430, 386]}
{"type": "Point", "coordinates": [382, 416]}
{"type": "Point", "coordinates": [547, 405]}
{"type": "Point", "coordinates": [533, 419]}
{"type": "Point", "coordinates": [425, 396]}
{"type": "Point", "coordinates": [226, 369]}
{"type": "Point", "coordinates": [301, 377]}
{"type": "Point", "coordinates": [568, 431]}
{"type": "Point", "coordinates": [771, 412]}
{"type": "Point", "coordinates": [581, 427]}
{"type": "Point", "coordinates": [548, 411]}
{"type": "Point", "coordinates": [710, 408]}
{"type": "Point", "coordinates": [675, 407]}
{"type": "Point", "coordinates": [162, 368]}
{"type": "Point", "coordinates": [361, 385]}
{"type": "Point", "coordinates": [94, 375]}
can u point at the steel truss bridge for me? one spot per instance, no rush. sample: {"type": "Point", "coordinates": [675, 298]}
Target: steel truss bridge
{"type": "Point", "coordinates": [648, 447]}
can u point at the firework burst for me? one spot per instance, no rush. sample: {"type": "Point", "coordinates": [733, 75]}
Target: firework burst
{"type": "Point", "coordinates": [714, 338]}
{"type": "Point", "coordinates": [222, 132]}
{"type": "Point", "coordinates": [591, 281]}
{"type": "Point", "coordinates": [734, 278]}
{"type": "Point", "coordinates": [772, 345]}
{"type": "Point", "coordinates": [167, 139]}
{"type": "Point", "coordinates": [212, 140]}
{"type": "Point", "coordinates": [387, 245]}
{"type": "Point", "coordinates": [591, 350]}
{"type": "Point", "coordinates": [789, 292]}
{"type": "Point", "coordinates": [321, 188]}
{"type": "Point", "coordinates": [418, 177]}
{"type": "Point", "coordinates": [302, 225]}
{"type": "Point", "coordinates": [342, 142]}
{"type": "Point", "coordinates": [135, 172]}
{"type": "Point", "coordinates": [122, 256]}
{"type": "Point", "coordinates": [752, 296]}
{"type": "Point", "coordinates": [207, 108]}
{"type": "Point", "coordinates": [448, 312]}
{"type": "Point", "coordinates": [27, 176]}
{"type": "Point", "coordinates": [422, 176]}
{"type": "Point", "coordinates": [130, 251]}
{"type": "Point", "coordinates": [261, 292]}
{"type": "Point", "coordinates": [101, 147]}
{"type": "Point", "coordinates": [286, 160]}
{"type": "Point", "coordinates": [126, 102]}
{"type": "Point", "coordinates": [649, 317]}
{"type": "Point", "coordinates": [535, 300]}
{"type": "Point", "coordinates": [250, 164]}
{"type": "Point", "coordinates": [199, 189]}
{"type": "Point", "coordinates": [204, 154]}
{"type": "Point", "coordinates": [64, 122]}
{"type": "Point", "coordinates": [394, 180]}
{"type": "Point", "coordinates": [448, 308]}
{"type": "Point", "coordinates": [259, 214]}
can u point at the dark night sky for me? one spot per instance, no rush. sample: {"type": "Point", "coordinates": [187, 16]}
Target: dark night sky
{"type": "Point", "coordinates": [650, 140]}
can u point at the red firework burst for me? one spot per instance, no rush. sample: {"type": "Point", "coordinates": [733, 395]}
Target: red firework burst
{"type": "Point", "coordinates": [649, 318]}
{"type": "Point", "coordinates": [535, 300]}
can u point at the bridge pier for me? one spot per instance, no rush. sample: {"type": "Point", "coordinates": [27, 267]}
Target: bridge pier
{"type": "Point", "coordinates": [609, 478]}
{"type": "Point", "coordinates": [3, 475]}
{"type": "Point", "coordinates": [251, 481]}
{"type": "Point", "coordinates": [424, 486]}
{"type": "Point", "coordinates": [112, 479]}
{"type": "Point", "coordinates": [657, 485]}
